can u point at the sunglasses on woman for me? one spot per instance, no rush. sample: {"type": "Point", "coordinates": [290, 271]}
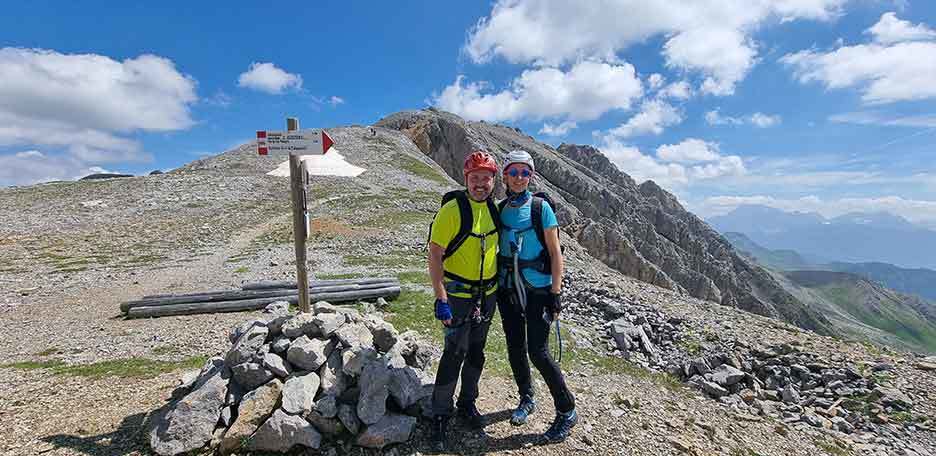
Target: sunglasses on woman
{"type": "Point", "coordinates": [514, 172]}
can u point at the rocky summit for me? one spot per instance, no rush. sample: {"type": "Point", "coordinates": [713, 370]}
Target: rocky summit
{"type": "Point", "coordinates": [672, 342]}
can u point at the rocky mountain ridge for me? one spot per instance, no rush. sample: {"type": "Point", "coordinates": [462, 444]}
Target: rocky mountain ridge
{"type": "Point", "coordinates": [641, 231]}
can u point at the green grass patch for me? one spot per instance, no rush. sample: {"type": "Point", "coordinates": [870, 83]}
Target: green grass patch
{"type": "Point", "coordinates": [48, 352]}
{"type": "Point", "coordinates": [241, 270]}
{"type": "Point", "coordinates": [125, 368]}
{"type": "Point", "coordinates": [832, 448]}
{"type": "Point", "coordinates": [389, 261]}
{"type": "Point", "coordinates": [165, 350]}
{"type": "Point", "coordinates": [420, 169]}
{"type": "Point", "coordinates": [416, 277]}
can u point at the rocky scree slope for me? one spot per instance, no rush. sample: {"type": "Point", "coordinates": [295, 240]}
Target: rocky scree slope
{"type": "Point", "coordinates": [641, 231]}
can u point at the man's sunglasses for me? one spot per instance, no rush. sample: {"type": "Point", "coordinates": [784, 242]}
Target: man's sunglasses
{"type": "Point", "coordinates": [514, 172]}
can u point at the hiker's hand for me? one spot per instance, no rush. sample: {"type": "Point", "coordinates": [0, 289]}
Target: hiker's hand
{"type": "Point", "coordinates": [554, 304]}
{"type": "Point", "coordinates": [443, 312]}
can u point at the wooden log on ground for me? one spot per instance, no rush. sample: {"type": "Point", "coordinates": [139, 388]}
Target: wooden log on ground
{"type": "Point", "coordinates": [233, 295]}
{"type": "Point", "coordinates": [190, 308]}
{"type": "Point", "coordinates": [275, 284]}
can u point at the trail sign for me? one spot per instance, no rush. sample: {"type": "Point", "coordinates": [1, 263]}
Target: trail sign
{"type": "Point", "coordinates": [308, 142]}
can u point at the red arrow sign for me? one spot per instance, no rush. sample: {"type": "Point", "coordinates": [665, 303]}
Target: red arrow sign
{"type": "Point", "coordinates": [326, 142]}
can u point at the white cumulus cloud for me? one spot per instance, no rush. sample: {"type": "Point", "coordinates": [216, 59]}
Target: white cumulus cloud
{"type": "Point", "coordinates": [710, 37]}
{"type": "Point", "coordinates": [758, 119]}
{"type": "Point", "coordinates": [267, 77]}
{"type": "Point", "coordinates": [691, 150]}
{"type": "Point", "coordinates": [890, 30]}
{"type": "Point", "coordinates": [558, 130]}
{"type": "Point", "coordinates": [86, 105]}
{"type": "Point", "coordinates": [674, 166]}
{"type": "Point", "coordinates": [886, 70]}
{"type": "Point", "coordinates": [654, 116]}
{"type": "Point", "coordinates": [584, 92]}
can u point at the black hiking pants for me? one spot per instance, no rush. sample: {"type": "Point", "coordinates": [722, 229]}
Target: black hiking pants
{"type": "Point", "coordinates": [527, 333]}
{"type": "Point", "coordinates": [463, 354]}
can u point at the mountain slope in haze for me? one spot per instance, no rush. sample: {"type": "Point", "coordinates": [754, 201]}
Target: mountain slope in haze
{"type": "Point", "coordinates": [918, 281]}
{"type": "Point", "coordinates": [640, 230]}
{"type": "Point", "coordinates": [853, 238]}
{"type": "Point", "coordinates": [909, 318]}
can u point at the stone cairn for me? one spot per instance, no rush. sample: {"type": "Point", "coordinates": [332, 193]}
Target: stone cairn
{"type": "Point", "coordinates": [296, 380]}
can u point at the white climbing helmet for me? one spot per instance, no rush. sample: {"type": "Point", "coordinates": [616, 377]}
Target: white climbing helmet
{"type": "Point", "coordinates": [518, 156]}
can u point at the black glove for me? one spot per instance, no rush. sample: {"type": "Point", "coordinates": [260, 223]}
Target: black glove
{"type": "Point", "coordinates": [554, 303]}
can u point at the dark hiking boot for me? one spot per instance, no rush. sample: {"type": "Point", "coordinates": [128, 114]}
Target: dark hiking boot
{"type": "Point", "coordinates": [471, 416]}
{"type": "Point", "coordinates": [437, 433]}
{"type": "Point", "coordinates": [561, 427]}
{"type": "Point", "coordinates": [524, 410]}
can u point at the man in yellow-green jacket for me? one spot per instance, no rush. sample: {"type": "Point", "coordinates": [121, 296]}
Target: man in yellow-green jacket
{"type": "Point", "coordinates": [463, 246]}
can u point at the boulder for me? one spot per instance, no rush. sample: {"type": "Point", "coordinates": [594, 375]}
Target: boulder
{"type": "Point", "coordinates": [309, 354]}
{"type": "Point", "coordinates": [299, 393]}
{"type": "Point", "coordinates": [353, 360]}
{"type": "Point", "coordinates": [328, 323]}
{"type": "Point", "coordinates": [243, 327]}
{"type": "Point", "coordinates": [251, 375]}
{"type": "Point", "coordinates": [300, 325]}
{"type": "Point", "coordinates": [282, 432]}
{"type": "Point", "coordinates": [328, 426]}
{"type": "Point", "coordinates": [891, 397]}
{"type": "Point", "coordinates": [790, 395]}
{"type": "Point", "coordinates": [384, 334]}
{"type": "Point", "coordinates": [189, 423]}
{"type": "Point", "coordinates": [374, 384]}
{"type": "Point", "coordinates": [408, 385]}
{"type": "Point", "coordinates": [280, 345]}
{"type": "Point", "coordinates": [254, 409]}
{"type": "Point", "coordinates": [326, 406]}
{"type": "Point", "coordinates": [275, 364]}
{"type": "Point", "coordinates": [334, 380]}
{"type": "Point", "coordinates": [355, 335]}
{"type": "Point", "coordinates": [349, 419]}
{"type": "Point", "coordinates": [247, 345]}
{"type": "Point", "coordinates": [726, 375]}
{"type": "Point", "coordinates": [713, 389]}
{"type": "Point", "coordinates": [389, 429]}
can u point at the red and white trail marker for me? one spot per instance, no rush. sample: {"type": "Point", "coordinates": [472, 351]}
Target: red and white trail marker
{"type": "Point", "coordinates": [306, 142]}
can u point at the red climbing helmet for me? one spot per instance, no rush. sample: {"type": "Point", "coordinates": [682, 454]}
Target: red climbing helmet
{"type": "Point", "coordinates": [479, 160]}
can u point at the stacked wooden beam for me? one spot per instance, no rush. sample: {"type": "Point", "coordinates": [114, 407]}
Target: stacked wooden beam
{"type": "Point", "coordinates": [257, 295]}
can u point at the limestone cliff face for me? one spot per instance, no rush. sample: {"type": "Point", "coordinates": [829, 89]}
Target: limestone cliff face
{"type": "Point", "coordinates": [640, 230]}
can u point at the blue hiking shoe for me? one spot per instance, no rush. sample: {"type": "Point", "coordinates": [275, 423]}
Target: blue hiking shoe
{"type": "Point", "coordinates": [561, 427]}
{"type": "Point", "coordinates": [524, 410]}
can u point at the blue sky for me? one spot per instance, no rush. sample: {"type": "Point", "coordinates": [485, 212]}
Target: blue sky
{"type": "Point", "coordinates": [811, 105]}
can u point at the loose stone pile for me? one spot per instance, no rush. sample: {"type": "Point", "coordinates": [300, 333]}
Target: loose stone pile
{"type": "Point", "coordinates": [294, 380]}
{"type": "Point", "coordinates": [783, 382]}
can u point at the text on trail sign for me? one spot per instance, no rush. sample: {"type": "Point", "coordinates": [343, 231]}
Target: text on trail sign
{"type": "Point", "coordinates": [307, 142]}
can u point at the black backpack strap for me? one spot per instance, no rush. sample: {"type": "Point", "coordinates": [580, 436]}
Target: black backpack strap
{"type": "Point", "coordinates": [464, 227]}
{"type": "Point", "coordinates": [536, 214]}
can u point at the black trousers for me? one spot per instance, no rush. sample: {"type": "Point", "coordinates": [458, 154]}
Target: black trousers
{"type": "Point", "coordinates": [528, 335]}
{"type": "Point", "coordinates": [463, 354]}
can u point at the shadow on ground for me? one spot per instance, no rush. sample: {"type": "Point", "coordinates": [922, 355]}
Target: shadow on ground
{"type": "Point", "coordinates": [127, 438]}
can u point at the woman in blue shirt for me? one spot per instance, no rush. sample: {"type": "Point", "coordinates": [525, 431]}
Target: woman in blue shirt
{"type": "Point", "coordinates": [529, 294]}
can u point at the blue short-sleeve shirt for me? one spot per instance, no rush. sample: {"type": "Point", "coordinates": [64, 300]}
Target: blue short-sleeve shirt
{"type": "Point", "coordinates": [519, 224]}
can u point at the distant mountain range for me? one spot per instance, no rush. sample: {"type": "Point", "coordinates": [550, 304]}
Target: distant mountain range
{"type": "Point", "coordinates": [859, 306]}
{"type": "Point", "coordinates": [876, 300]}
{"type": "Point", "coordinates": [919, 281]}
{"type": "Point", "coordinates": [851, 238]}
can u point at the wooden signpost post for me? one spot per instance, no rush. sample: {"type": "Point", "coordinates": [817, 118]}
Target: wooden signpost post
{"type": "Point", "coordinates": [312, 142]}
